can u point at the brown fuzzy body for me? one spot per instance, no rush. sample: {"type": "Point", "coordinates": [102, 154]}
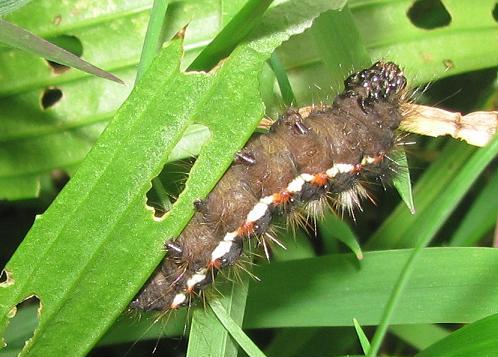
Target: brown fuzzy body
{"type": "Point", "coordinates": [334, 148]}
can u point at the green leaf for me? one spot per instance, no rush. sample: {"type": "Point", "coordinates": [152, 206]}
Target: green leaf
{"type": "Point", "coordinates": [403, 183]}
{"type": "Point", "coordinates": [34, 141]}
{"type": "Point", "coordinates": [477, 339]}
{"type": "Point", "coordinates": [17, 37]}
{"type": "Point", "coordinates": [387, 29]}
{"type": "Point", "coordinates": [447, 285]}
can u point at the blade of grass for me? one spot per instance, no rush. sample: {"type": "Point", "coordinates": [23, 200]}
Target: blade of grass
{"type": "Point", "coordinates": [231, 35]}
{"type": "Point", "coordinates": [235, 331]}
{"type": "Point", "coordinates": [448, 285]}
{"type": "Point", "coordinates": [365, 344]}
{"type": "Point", "coordinates": [17, 37]}
{"type": "Point", "coordinates": [429, 223]}
{"type": "Point", "coordinates": [402, 182]}
{"type": "Point", "coordinates": [154, 37]}
{"type": "Point", "coordinates": [283, 81]}
{"type": "Point", "coordinates": [481, 217]}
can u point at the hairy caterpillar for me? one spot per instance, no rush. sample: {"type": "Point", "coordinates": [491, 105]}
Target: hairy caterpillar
{"type": "Point", "coordinates": [308, 157]}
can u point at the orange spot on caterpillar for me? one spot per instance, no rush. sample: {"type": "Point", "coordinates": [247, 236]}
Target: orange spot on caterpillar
{"type": "Point", "coordinates": [246, 229]}
{"type": "Point", "coordinates": [320, 179]}
{"type": "Point", "coordinates": [214, 264]}
{"type": "Point", "coordinates": [282, 197]}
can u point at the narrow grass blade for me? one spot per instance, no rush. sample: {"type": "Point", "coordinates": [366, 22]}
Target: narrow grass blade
{"type": "Point", "coordinates": [365, 344]}
{"type": "Point", "coordinates": [154, 38]}
{"type": "Point", "coordinates": [481, 218]}
{"type": "Point", "coordinates": [339, 43]}
{"type": "Point", "coordinates": [17, 37]}
{"type": "Point", "coordinates": [235, 331]}
{"type": "Point", "coordinates": [283, 81]}
{"type": "Point", "coordinates": [403, 183]}
{"type": "Point", "coordinates": [232, 34]}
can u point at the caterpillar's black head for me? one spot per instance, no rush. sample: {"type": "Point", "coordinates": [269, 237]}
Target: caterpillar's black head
{"type": "Point", "coordinates": [382, 81]}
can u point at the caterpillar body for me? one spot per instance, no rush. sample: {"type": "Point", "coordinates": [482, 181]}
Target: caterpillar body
{"type": "Point", "coordinates": [308, 157]}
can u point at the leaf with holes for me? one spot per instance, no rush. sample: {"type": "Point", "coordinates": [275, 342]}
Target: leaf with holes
{"type": "Point", "coordinates": [17, 37]}
{"type": "Point", "coordinates": [98, 242]}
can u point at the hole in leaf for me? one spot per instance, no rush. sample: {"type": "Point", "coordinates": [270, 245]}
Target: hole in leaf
{"type": "Point", "coordinates": [69, 43]}
{"type": "Point", "coordinates": [50, 97]}
{"type": "Point", "coordinates": [429, 14]}
{"type": "Point", "coordinates": [5, 279]}
{"type": "Point", "coordinates": [168, 185]}
{"type": "Point", "coordinates": [495, 12]}
{"type": "Point", "coordinates": [22, 325]}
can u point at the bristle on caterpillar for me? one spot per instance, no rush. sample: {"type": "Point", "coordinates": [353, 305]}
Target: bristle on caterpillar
{"type": "Point", "coordinates": [309, 158]}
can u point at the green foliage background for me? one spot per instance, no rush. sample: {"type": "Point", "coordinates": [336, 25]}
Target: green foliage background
{"type": "Point", "coordinates": [92, 249]}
